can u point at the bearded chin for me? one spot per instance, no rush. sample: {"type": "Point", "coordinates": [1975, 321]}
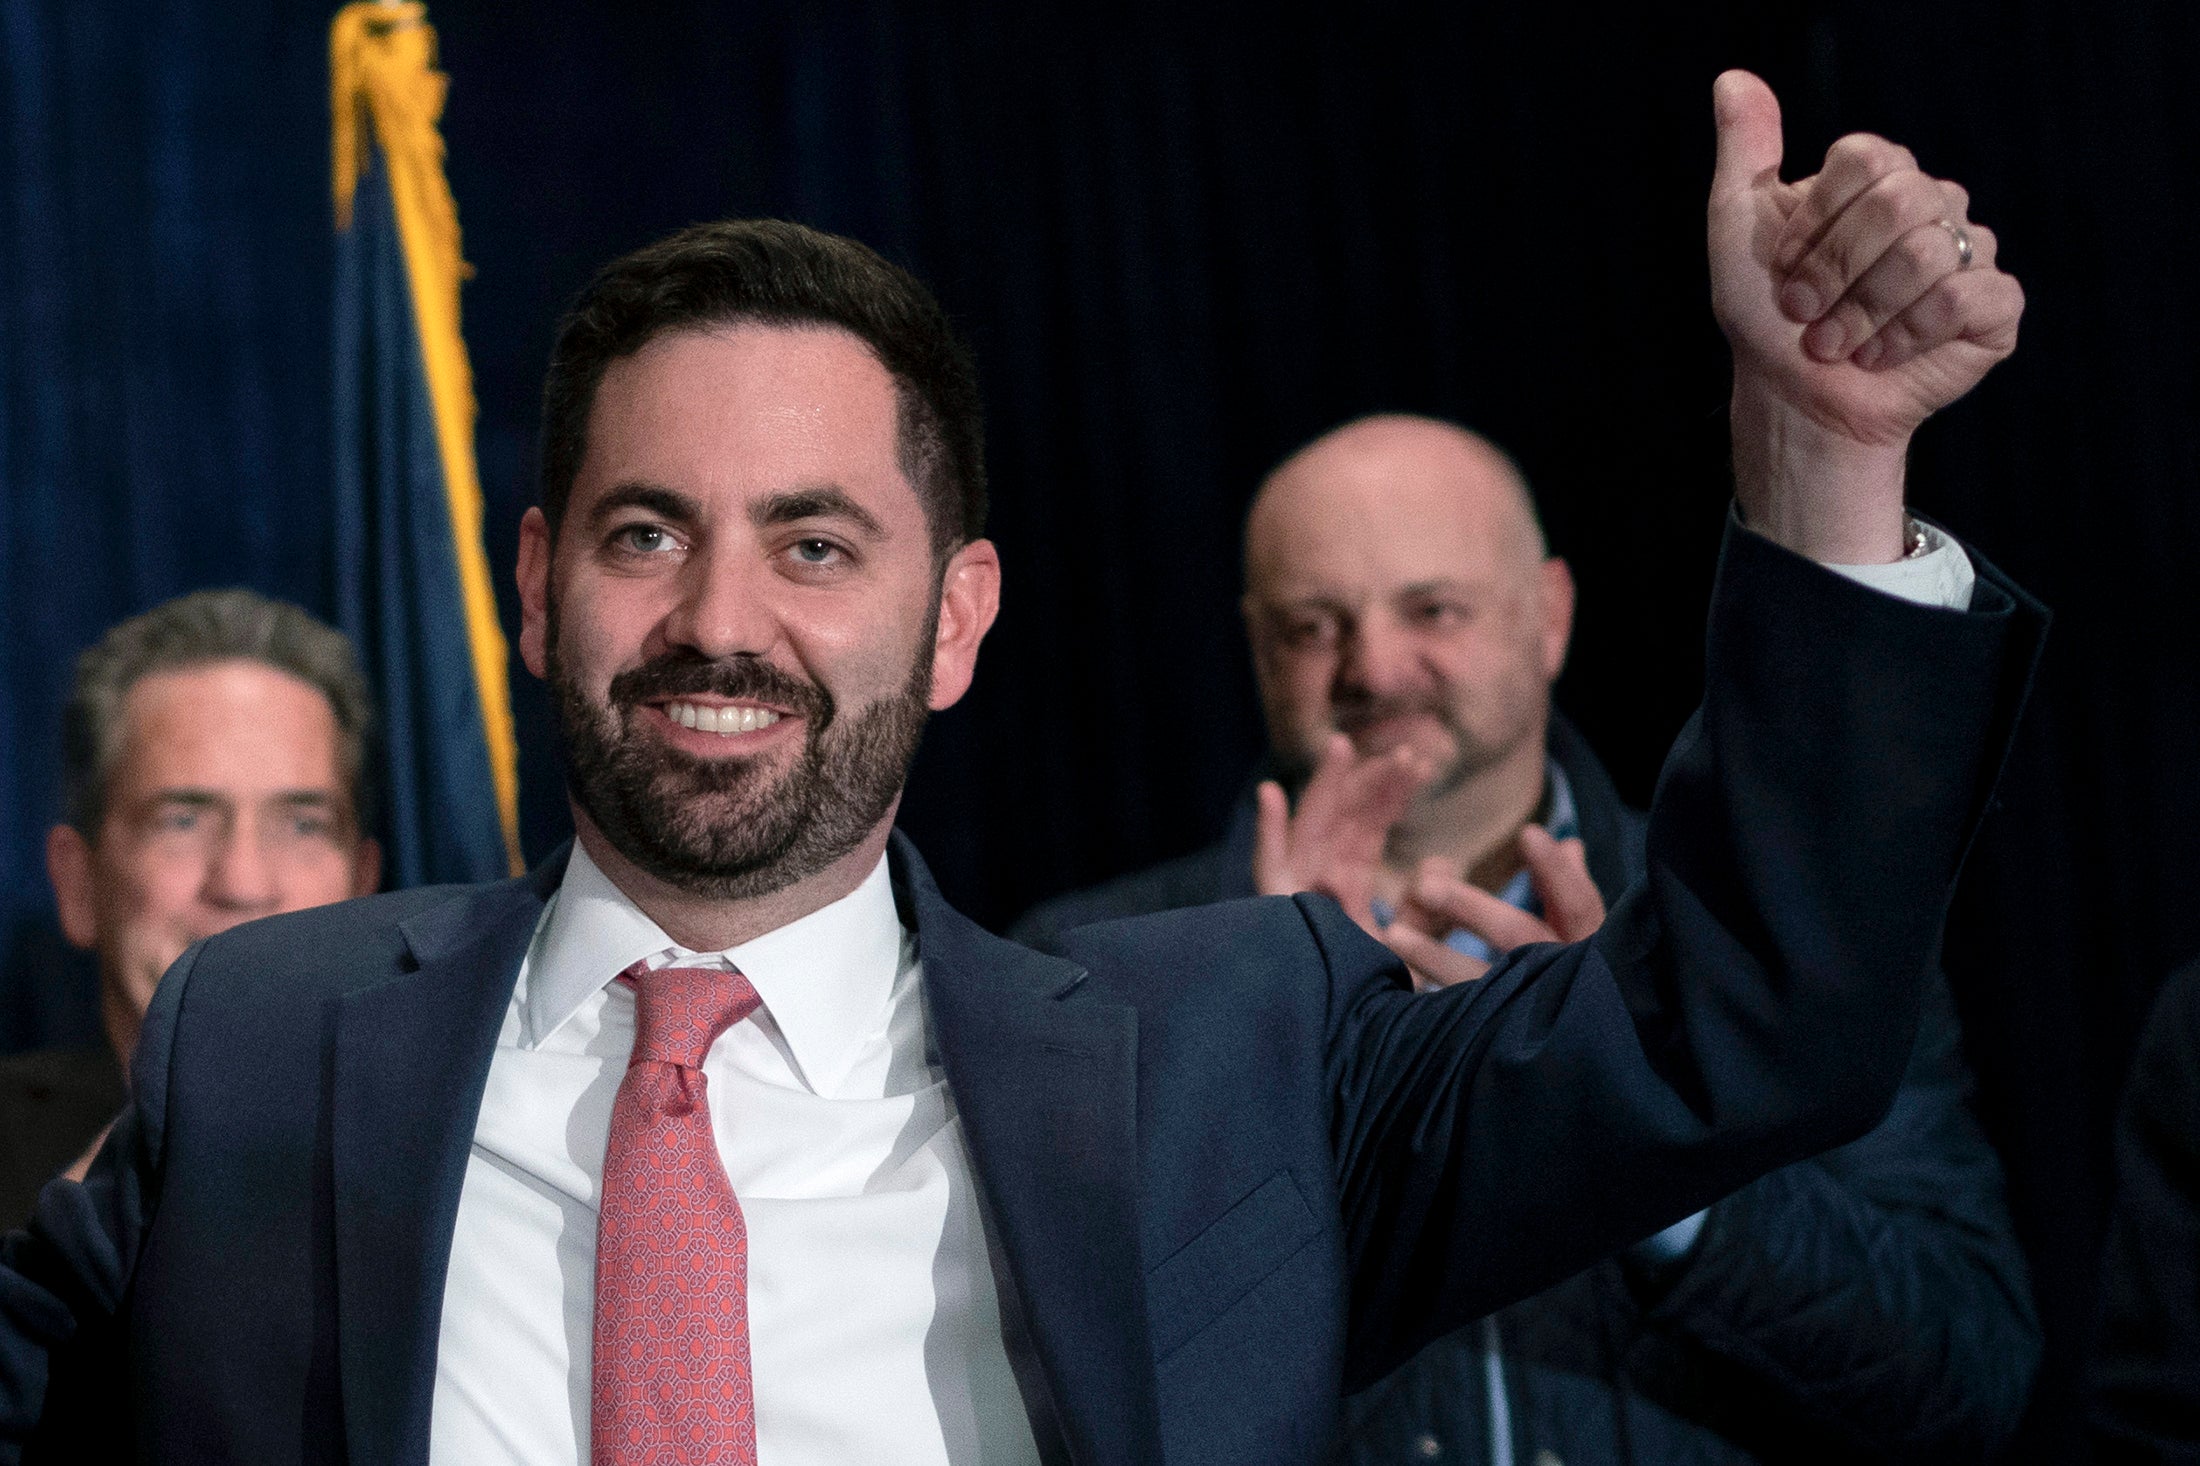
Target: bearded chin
{"type": "Point", "coordinates": [735, 828]}
{"type": "Point", "coordinates": [1471, 759]}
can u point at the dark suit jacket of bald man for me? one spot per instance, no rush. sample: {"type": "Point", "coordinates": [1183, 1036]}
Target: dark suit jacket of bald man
{"type": "Point", "coordinates": [1231, 1165]}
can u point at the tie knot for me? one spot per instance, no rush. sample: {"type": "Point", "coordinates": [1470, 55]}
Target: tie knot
{"type": "Point", "coordinates": [680, 1011]}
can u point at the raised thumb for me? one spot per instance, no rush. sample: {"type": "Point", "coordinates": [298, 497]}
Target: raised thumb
{"type": "Point", "coordinates": [1748, 119]}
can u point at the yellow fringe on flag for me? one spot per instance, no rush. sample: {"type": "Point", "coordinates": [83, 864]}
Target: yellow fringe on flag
{"type": "Point", "coordinates": [382, 66]}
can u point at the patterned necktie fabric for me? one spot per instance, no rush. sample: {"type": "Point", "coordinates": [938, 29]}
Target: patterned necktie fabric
{"type": "Point", "coordinates": [670, 1380]}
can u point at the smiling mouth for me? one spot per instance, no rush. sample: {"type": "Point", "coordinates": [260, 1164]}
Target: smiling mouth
{"type": "Point", "coordinates": [726, 720]}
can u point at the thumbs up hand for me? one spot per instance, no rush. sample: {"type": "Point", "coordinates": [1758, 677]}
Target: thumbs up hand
{"type": "Point", "coordinates": [1857, 302]}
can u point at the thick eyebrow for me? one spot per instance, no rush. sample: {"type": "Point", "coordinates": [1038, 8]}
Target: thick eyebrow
{"type": "Point", "coordinates": [1338, 606]}
{"type": "Point", "coordinates": [194, 798]}
{"type": "Point", "coordinates": [821, 501]}
{"type": "Point", "coordinates": [666, 504]}
{"type": "Point", "coordinates": [211, 799]}
{"type": "Point", "coordinates": [1443, 585]}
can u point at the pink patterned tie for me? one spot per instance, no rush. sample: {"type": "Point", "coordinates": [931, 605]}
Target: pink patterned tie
{"type": "Point", "coordinates": [671, 1376]}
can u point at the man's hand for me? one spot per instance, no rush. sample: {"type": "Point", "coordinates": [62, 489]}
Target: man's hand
{"type": "Point", "coordinates": [1442, 903]}
{"type": "Point", "coordinates": [1333, 842]}
{"type": "Point", "coordinates": [1853, 314]}
{"type": "Point", "coordinates": [82, 1165]}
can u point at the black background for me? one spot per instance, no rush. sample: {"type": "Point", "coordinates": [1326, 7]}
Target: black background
{"type": "Point", "coordinates": [1183, 242]}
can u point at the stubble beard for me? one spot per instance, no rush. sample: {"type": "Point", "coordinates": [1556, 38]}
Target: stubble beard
{"type": "Point", "coordinates": [732, 829]}
{"type": "Point", "coordinates": [1474, 757]}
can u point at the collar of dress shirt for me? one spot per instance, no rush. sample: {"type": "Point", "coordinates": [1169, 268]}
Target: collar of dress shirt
{"type": "Point", "coordinates": [825, 978]}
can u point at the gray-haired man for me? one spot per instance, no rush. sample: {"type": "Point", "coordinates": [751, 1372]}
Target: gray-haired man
{"type": "Point", "coordinates": [216, 769]}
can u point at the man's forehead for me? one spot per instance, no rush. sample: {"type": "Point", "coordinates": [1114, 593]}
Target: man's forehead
{"type": "Point", "coordinates": [746, 409]}
{"type": "Point", "coordinates": [1387, 504]}
{"type": "Point", "coordinates": [234, 724]}
{"type": "Point", "coordinates": [1374, 544]}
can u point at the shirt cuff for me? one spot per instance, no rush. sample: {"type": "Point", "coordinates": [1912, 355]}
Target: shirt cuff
{"type": "Point", "coordinates": [1942, 576]}
{"type": "Point", "coordinates": [1672, 1244]}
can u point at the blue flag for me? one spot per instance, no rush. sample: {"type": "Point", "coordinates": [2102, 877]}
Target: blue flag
{"type": "Point", "coordinates": [412, 582]}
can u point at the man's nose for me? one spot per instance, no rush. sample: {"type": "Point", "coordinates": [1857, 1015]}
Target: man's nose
{"type": "Point", "coordinates": [722, 610]}
{"type": "Point", "coordinates": [1379, 660]}
{"type": "Point", "coordinates": [240, 876]}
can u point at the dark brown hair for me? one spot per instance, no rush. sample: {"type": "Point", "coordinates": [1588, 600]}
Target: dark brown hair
{"type": "Point", "coordinates": [776, 273]}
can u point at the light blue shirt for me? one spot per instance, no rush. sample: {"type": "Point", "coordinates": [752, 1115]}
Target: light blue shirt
{"type": "Point", "coordinates": [1564, 823]}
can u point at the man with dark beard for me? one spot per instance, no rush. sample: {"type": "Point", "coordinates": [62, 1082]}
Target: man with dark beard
{"type": "Point", "coordinates": [723, 825]}
{"type": "Point", "coordinates": [722, 1138]}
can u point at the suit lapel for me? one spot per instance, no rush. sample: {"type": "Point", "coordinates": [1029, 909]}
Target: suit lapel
{"type": "Point", "coordinates": [412, 1056]}
{"type": "Point", "coordinates": [1044, 1070]}
{"type": "Point", "coordinates": [1614, 851]}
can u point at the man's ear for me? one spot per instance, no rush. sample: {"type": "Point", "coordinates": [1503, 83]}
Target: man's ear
{"type": "Point", "coordinates": [366, 867]}
{"type": "Point", "coordinates": [69, 867]}
{"type": "Point", "coordinates": [533, 575]}
{"type": "Point", "coordinates": [970, 597]}
{"type": "Point", "coordinates": [1558, 614]}
{"type": "Point", "coordinates": [1260, 639]}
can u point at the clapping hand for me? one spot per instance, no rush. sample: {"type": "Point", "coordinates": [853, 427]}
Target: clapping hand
{"type": "Point", "coordinates": [1440, 903]}
{"type": "Point", "coordinates": [1333, 842]}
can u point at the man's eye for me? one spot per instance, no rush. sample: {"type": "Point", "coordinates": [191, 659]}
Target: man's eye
{"type": "Point", "coordinates": [178, 819]}
{"type": "Point", "coordinates": [815, 552]}
{"type": "Point", "coordinates": [1309, 634]}
{"type": "Point", "coordinates": [1441, 614]}
{"type": "Point", "coordinates": [642, 539]}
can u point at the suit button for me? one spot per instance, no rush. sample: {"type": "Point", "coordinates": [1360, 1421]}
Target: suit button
{"type": "Point", "coordinates": [1427, 1447]}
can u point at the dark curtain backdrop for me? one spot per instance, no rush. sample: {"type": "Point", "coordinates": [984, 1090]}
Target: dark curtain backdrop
{"type": "Point", "coordinates": [1182, 243]}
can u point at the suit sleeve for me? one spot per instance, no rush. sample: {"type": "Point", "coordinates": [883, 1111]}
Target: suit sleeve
{"type": "Point", "coordinates": [1875, 1295]}
{"type": "Point", "coordinates": [64, 1278]}
{"type": "Point", "coordinates": [1750, 1003]}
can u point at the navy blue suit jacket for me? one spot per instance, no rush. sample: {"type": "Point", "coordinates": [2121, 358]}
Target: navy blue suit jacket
{"type": "Point", "coordinates": [1231, 1166]}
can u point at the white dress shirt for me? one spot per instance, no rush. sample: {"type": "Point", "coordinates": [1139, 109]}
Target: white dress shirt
{"type": "Point", "coordinates": [875, 1331]}
{"type": "Point", "coordinates": [1941, 574]}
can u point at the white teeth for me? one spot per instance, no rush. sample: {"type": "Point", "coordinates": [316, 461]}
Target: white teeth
{"type": "Point", "coordinates": [721, 720]}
